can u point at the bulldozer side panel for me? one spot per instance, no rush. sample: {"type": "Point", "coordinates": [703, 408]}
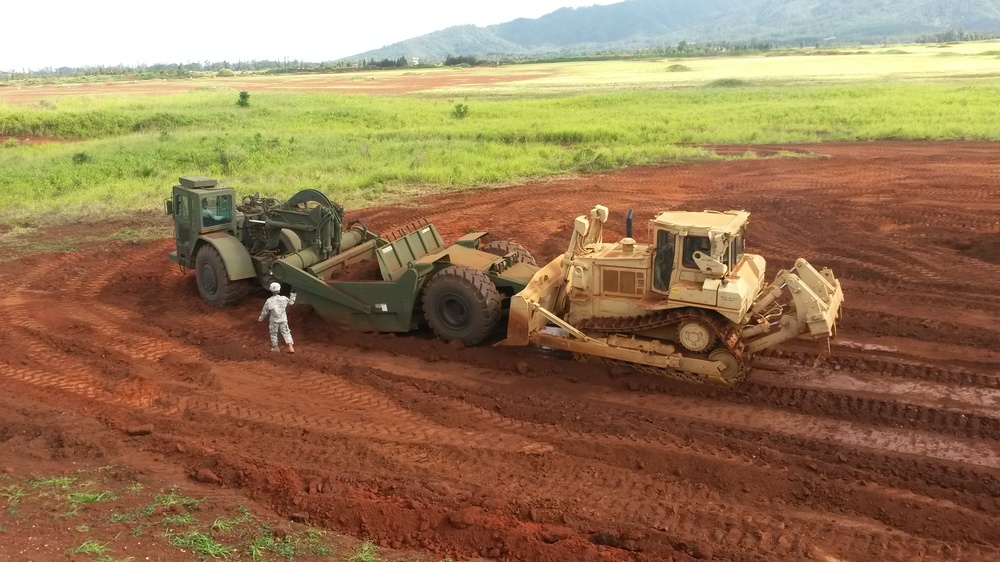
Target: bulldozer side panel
{"type": "Point", "coordinates": [696, 292]}
{"type": "Point", "coordinates": [234, 256]}
{"type": "Point", "coordinates": [742, 286]}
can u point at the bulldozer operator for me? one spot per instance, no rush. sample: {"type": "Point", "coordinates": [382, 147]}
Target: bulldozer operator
{"type": "Point", "coordinates": [274, 310]}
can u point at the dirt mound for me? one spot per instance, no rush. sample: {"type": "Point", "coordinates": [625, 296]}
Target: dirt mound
{"type": "Point", "coordinates": [984, 247]}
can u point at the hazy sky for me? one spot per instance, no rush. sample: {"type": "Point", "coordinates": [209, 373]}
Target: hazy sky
{"type": "Point", "coordinates": [55, 33]}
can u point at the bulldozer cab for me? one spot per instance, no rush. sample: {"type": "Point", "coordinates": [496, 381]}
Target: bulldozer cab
{"type": "Point", "coordinates": [198, 206]}
{"type": "Point", "coordinates": [693, 247]}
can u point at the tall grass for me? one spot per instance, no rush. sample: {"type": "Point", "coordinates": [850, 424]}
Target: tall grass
{"type": "Point", "coordinates": [124, 153]}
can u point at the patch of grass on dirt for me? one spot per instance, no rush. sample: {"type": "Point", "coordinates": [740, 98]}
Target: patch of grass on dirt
{"type": "Point", "coordinates": [174, 497]}
{"type": "Point", "coordinates": [307, 543]}
{"type": "Point", "coordinates": [91, 497]}
{"type": "Point", "coordinates": [13, 495]}
{"type": "Point", "coordinates": [30, 238]}
{"type": "Point", "coordinates": [56, 482]}
{"type": "Point", "coordinates": [55, 246]}
{"type": "Point", "coordinates": [201, 544]}
{"type": "Point", "coordinates": [366, 552]}
{"type": "Point", "coordinates": [90, 546]}
{"type": "Point", "coordinates": [135, 235]}
{"type": "Point", "coordinates": [120, 515]}
{"type": "Point", "coordinates": [226, 524]}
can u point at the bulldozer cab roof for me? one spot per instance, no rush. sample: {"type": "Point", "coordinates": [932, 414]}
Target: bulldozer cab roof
{"type": "Point", "coordinates": [693, 222]}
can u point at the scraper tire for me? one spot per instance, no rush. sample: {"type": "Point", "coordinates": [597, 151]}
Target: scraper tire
{"type": "Point", "coordinates": [461, 303]}
{"type": "Point", "coordinates": [504, 247]}
{"type": "Point", "coordinates": [213, 281]}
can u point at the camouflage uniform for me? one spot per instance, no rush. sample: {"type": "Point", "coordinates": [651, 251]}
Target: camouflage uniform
{"type": "Point", "coordinates": [275, 308]}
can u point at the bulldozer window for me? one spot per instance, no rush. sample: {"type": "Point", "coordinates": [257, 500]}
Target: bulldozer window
{"type": "Point", "coordinates": [736, 251]}
{"type": "Point", "coordinates": [694, 244]}
{"type": "Point", "coordinates": [664, 260]}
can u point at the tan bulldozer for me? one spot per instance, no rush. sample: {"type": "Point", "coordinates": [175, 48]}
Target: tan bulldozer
{"type": "Point", "coordinates": [691, 304]}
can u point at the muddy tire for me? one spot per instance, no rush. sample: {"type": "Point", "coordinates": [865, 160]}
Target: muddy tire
{"type": "Point", "coordinates": [213, 281]}
{"type": "Point", "coordinates": [461, 303]}
{"type": "Point", "coordinates": [504, 247]}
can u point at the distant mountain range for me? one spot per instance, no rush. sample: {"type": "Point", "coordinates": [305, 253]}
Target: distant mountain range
{"type": "Point", "coordinates": [637, 24]}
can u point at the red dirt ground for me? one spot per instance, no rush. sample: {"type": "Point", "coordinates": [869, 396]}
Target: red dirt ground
{"type": "Point", "coordinates": [889, 450]}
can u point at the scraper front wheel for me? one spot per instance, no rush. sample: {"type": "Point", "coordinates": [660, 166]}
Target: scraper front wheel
{"type": "Point", "coordinates": [461, 303]}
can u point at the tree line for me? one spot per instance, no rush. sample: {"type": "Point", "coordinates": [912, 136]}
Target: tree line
{"type": "Point", "coordinates": [226, 68]}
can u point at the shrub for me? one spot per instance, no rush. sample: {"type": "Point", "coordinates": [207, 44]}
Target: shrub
{"type": "Point", "coordinates": [461, 111]}
{"type": "Point", "coordinates": [244, 100]}
{"type": "Point", "coordinates": [729, 83]}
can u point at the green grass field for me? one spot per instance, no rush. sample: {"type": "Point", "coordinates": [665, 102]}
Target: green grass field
{"type": "Point", "coordinates": [123, 153]}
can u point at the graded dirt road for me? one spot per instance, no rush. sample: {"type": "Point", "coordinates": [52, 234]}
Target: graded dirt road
{"type": "Point", "coordinates": [889, 450]}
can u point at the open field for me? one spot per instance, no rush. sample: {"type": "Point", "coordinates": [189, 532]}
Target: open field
{"type": "Point", "coordinates": [889, 450]}
{"type": "Point", "coordinates": [868, 63]}
{"type": "Point", "coordinates": [75, 151]}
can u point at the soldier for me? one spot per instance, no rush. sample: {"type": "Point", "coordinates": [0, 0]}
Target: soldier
{"type": "Point", "coordinates": [275, 308]}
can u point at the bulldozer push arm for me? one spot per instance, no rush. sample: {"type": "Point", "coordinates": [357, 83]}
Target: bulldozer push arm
{"type": "Point", "coordinates": [816, 298]}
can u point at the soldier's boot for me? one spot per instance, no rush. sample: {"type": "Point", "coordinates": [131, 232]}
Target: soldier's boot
{"type": "Point", "coordinates": [291, 348]}
{"type": "Point", "coordinates": [274, 349]}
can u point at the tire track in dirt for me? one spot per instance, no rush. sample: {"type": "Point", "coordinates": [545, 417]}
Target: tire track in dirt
{"type": "Point", "coordinates": [844, 359]}
{"type": "Point", "coordinates": [984, 402]}
{"type": "Point", "coordinates": [687, 516]}
{"type": "Point", "coordinates": [782, 421]}
{"type": "Point", "coordinates": [30, 338]}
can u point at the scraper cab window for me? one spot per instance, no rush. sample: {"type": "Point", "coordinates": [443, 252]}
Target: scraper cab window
{"type": "Point", "coordinates": [216, 210]}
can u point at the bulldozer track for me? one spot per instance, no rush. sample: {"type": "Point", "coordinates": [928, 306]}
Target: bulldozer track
{"type": "Point", "coordinates": [725, 334]}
